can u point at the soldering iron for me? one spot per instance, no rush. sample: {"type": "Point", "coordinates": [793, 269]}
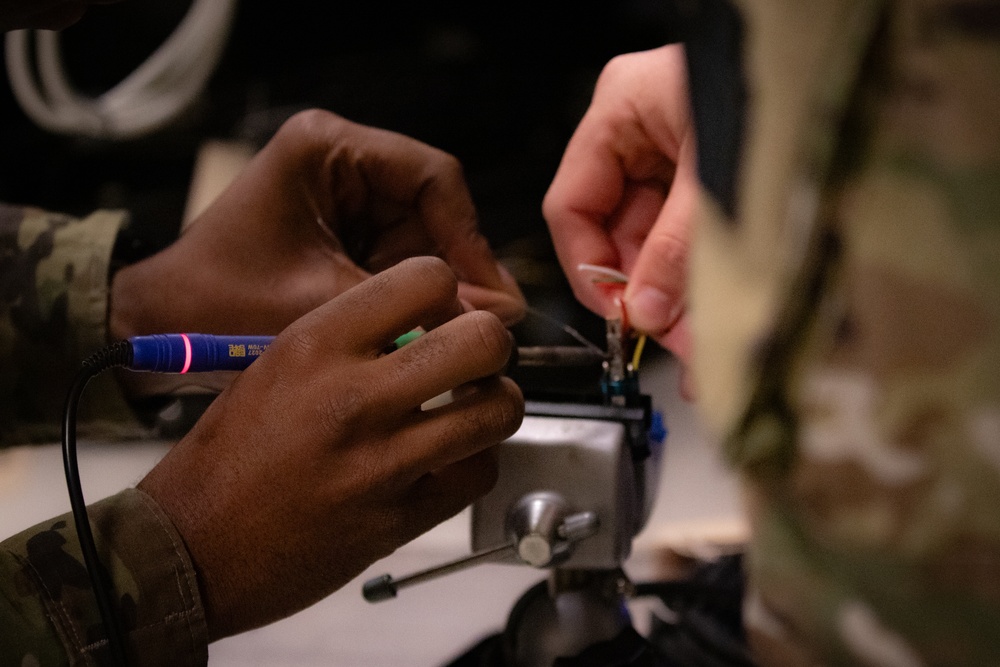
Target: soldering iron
{"type": "Point", "coordinates": [193, 353]}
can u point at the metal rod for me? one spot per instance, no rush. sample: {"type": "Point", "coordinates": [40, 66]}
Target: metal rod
{"type": "Point", "coordinates": [385, 587]}
{"type": "Point", "coordinates": [558, 355]}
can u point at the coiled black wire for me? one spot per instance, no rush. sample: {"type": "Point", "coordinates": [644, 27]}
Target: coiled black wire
{"type": "Point", "coordinates": [117, 354]}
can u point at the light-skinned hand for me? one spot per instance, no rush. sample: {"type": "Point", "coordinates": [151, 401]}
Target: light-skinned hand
{"type": "Point", "coordinates": [625, 191]}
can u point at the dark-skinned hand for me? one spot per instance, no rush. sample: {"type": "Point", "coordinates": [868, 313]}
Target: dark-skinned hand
{"type": "Point", "coordinates": [324, 205]}
{"type": "Point", "coordinates": [318, 460]}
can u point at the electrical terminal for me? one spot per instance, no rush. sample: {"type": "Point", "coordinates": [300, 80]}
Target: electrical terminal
{"type": "Point", "coordinates": [620, 380]}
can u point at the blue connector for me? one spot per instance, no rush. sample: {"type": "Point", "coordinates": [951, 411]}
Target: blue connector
{"type": "Point", "coordinates": [657, 428]}
{"type": "Point", "coordinates": [193, 353]}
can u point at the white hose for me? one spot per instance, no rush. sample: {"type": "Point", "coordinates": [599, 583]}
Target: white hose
{"type": "Point", "coordinates": [161, 88]}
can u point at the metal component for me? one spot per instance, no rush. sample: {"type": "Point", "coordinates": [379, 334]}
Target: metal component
{"type": "Point", "coordinates": [615, 336]}
{"type": "Point", "coordinates": [385, 587]}
{"type": "Point", "coordinates": [586, 462]}
{"type": "Point", "coordinates": [532, 525]}
{"type": "Point", "coordinates": [544, 530]}
{"type": "Point", "coordinates": [578, 526]}
{"type": "Point", "coordinates": [616, 368]}
{"type": "Point", "coordinates": [623, 587]}
{"type": "Point", "coordinates": [562, 617]}
{"type": "Point", "coordinates": [636, 414]}
{"type": "Point", "coordinates": [558, 355]}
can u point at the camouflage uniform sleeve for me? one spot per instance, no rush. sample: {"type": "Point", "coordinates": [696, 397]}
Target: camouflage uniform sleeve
{"type": "Point", "coordinates": [47, 611]}
{"type": "Point", "coordinates": [53, 314]}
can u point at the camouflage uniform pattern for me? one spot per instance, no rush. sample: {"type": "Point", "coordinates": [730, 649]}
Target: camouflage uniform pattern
{"type": "Point", "coordinates": [47, 611]}
{"type": "Point", "coordinates": [53, 314]}
{"type": "Point", "coordinates": [847, 330]}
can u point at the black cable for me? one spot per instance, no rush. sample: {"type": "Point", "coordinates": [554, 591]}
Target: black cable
{"type": "Point", "coordinates": [118, 354]}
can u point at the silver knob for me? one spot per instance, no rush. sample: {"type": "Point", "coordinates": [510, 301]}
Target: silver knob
{"type": "Point", "coordinates": [542, 533]}
{"type": "Point", "coordinates": [544, 530]}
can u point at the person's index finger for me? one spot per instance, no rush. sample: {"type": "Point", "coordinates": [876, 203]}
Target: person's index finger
{"type": "Point", "coordinates": [578, 206]}
{"type": "Point", "coordinates": [465, 349]}
{"type": "Point", "coordinates": [408, 170]}
{"type": "Point", "coordinates": [421, 292]}
{"type": "Point", "coordinates": [588, 183]}
{"type": "Point", "coordinates": [586, 247]}
{"type": "Point", "coordinates": [509, 307]}
{"type": "Point", "coordinates": [451, 221]}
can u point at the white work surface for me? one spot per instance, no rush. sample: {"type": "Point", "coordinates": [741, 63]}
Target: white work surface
{"type": "Point", "coordinates": [429, 624]}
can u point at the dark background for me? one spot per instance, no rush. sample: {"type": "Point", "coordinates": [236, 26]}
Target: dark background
{"type": "Point", "coordinates": [499, 85]}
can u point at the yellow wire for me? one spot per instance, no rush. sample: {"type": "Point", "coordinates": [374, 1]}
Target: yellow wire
{"type": "Point", "coordinates": [641, 343]}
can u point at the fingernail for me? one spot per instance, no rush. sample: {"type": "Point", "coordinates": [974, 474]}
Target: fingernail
{"type": "Point", "coordinates": [652, 311]}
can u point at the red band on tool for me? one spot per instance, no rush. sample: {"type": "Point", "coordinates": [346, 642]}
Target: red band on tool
{"type": "Point", "coordinates": [187, 353]}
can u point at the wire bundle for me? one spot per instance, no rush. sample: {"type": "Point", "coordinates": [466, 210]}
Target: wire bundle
{"type": "Point", "coordinates": [149, 98]}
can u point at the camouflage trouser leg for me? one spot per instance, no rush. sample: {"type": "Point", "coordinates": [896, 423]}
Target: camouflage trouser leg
{"type": "Point", "coordinates": [873, 461]}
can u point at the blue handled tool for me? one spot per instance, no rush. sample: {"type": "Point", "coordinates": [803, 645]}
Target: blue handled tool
{"type": "Point", "coordinates": [194, 353]}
